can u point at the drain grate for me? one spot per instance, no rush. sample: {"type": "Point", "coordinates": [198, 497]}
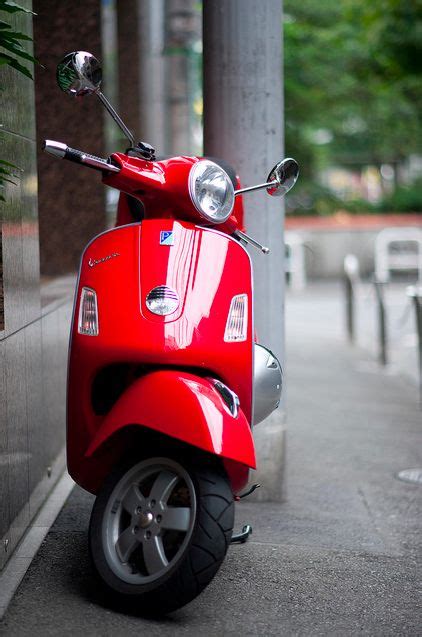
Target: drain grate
{"type": "Point", "coordinates": [411, 475]}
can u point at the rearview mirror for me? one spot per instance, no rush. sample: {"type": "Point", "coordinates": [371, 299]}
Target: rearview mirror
{"type": "Point", "coordinates": [283, 177]}
{"type": "Point", "coordinates": [79, 73]}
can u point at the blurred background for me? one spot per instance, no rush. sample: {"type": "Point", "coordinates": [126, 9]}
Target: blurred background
{"type": "Point", "coordinates": [353, 105]}
{"type": "Point", "coordinates": [353, 110]}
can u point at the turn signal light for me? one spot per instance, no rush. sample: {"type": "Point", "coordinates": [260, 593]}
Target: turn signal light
{"type": "Point", "coordinates": [88, 313]}
{"type": "Point", "coordinates": [237, 320]}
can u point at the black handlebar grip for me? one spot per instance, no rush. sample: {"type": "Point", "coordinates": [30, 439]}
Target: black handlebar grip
{"type": "Point", "coordinates": [72, 154]}
{"type": "Point", "coordinates": [78, 156]}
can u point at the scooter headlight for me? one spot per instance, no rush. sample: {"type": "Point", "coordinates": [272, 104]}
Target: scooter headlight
{"type": "Point", "coordinates": [211, 191]}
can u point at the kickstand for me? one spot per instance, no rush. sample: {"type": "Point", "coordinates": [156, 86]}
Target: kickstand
{"type": "Point", "coordinates": [243, 536]}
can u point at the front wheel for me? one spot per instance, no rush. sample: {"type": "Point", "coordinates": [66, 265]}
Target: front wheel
{"type": "Point", "coordinates": [159, 531]}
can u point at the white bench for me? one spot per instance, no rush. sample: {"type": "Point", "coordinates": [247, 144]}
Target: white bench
{"type": "Point", "coordinates": [398, 249]}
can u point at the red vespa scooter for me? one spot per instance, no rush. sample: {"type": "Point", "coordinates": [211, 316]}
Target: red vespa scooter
{"type": "Point", "coordinates": [165, 380]}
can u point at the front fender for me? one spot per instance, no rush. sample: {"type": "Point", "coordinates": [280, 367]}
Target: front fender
{"type": "Point", "coordinates": [185, 407]}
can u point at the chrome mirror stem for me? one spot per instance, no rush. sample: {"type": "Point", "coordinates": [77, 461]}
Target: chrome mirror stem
{"type": "Point", "coordinates": [281, 179]}
{"type": "Point", "coordinates": [268, 184]}
{"type": "Point", "coordinates": [116, 117]}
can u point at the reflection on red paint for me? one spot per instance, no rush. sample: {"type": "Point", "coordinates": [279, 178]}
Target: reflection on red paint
{"type": "Point", "coordinates": [213, 415]}
{"type": "Point", "coordinates": [208, 257]}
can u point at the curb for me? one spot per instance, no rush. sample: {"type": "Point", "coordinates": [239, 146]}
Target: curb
{"type": "Point", "coordinates": [17, 566]}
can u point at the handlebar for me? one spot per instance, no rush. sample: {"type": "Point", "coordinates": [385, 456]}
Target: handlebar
{"type": "Point", "coordinates": [78, 156]}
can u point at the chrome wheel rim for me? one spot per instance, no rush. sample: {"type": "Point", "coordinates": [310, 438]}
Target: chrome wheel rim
{"type": "Point", "coordinates": [149, 520]}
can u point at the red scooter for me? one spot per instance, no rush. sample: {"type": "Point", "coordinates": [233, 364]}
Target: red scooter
{"type": "Point", "coordinates": [165, 379]}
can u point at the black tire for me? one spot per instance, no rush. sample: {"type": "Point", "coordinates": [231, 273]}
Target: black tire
{"type": "Point", "coordinates": [194, 548]}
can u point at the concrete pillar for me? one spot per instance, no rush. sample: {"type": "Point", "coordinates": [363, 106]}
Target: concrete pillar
{"type": "Point", "coordinates": [155, 59]}
{"type": "Point", "coordinates": [243, 124]}
{"type": "Point", "coordinates": [152, 100]}
{"type": "Point", "coordinates": [182, 29]}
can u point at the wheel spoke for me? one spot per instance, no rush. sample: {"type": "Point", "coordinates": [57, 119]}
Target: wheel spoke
{"type": "Point", "coordinates": [163, 485]}
{"type": "Point", "coordinates": [133, 499]}
{"type": "Point", "coordinates": [126, 544]}
{"type": "Point", "coordinates": [154, 556]}
{"type": "Point", "coordinates": [176, 518]}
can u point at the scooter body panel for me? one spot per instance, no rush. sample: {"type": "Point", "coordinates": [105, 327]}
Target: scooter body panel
{"type": "Point", "coordinates": [206, 269]}
{"type": "Point", "coordinates": [184, 407]}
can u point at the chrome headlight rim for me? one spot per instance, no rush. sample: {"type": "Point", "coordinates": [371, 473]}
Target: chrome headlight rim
{"type": "Point", "coordinates": [162, 300]}
{"type": "Point", "coordinates": [193, 176]}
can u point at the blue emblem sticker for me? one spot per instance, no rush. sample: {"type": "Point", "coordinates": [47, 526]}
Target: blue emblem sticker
{"type": "Point", "coordinates": [166, 238]}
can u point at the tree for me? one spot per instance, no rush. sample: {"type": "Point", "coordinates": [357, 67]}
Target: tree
{"type": "Point", "coordinates": [352, 84]}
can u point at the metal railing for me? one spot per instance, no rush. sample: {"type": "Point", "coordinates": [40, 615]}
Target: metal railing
{"type": "Point", "coordinates": [351, 279]}
{"type": "Point", "coordinates": [415, 294]}
{"type": "Point", "coordinates": [386, 331]}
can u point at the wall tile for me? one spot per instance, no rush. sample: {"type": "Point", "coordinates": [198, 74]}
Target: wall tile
{"type": "Point", "coordinates": [65, 317]}
{"type": "Point", "coordinates": [34, 399]}
{"type": "Point", "coordinates": [17, 432]}
{"type": "Point", "coordinates": [53, 386]}
{"type": "Point", "coordinates": [20, 236]}
{"type": "Point", "coordinates": [1, 282]}
{"type": "Point", "coordinates": [17, 100]}
{"type": "Point", "coordinates": [19, 212]}
{"type": "Point", "coordinates": [30, 234]}
{"type": "Point", "coordinates": [33, 371]}
{"type": "Point", "coordinates": [13, 279]}
{"type": "Point", "coordinates": [4, 453]}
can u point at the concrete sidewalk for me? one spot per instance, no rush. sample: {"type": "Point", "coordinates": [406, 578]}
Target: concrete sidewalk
{"type": "Point", "coordinates": [340, 557]}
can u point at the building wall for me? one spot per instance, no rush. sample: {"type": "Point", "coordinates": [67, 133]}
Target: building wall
{"type": "Point", "coordinates": [128, 72]}
{"type": "Point", "coordinates": [71, 198]}
{"type": "Point", "coordinates": [325, 249]}
{"type": "Point", "coordinates": [33, 343]}
{"type": "Point", "coordinates": [324, 256]}
{"type": "Point", "coordinates": [1, 281]}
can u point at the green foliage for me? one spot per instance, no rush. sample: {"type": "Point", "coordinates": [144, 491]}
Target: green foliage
{"type": "Point", "coordinates": [313, 199]}
{"type": "Point", "coordinates": [12, 52]}
{"type": "Point", "coordinates": [404, 199]}
{"type": "Point", "coordinates": [5, 175]}
{"type": "Point", "coordinates": [12, 7]}
{"type": "Point", "coordinates": [11, 41]}
{"type": "Point", "coordinates": [353, 94]}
